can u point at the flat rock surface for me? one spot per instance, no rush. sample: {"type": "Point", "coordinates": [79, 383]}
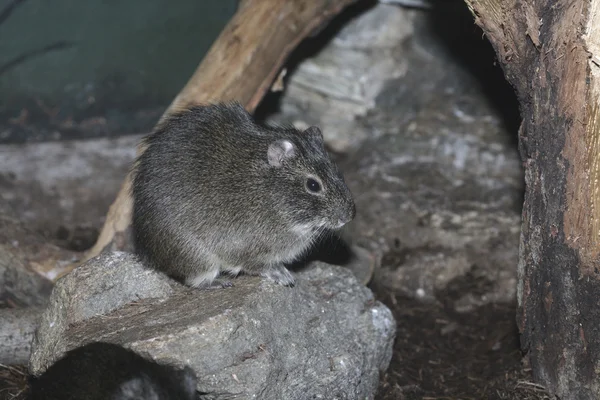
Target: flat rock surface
{"type": "Point", "coordinates": [326, 338]}
{"type": "Point", "coordinates": [62, 190]}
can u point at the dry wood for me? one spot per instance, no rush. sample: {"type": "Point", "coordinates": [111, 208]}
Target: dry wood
{"type": "Point", "coordinates": [241, 65]}
{"type": "Point", "coordinates": [550, 51]}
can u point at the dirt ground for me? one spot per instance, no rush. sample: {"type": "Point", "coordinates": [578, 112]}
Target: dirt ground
{"type": "Point", "coordinates": [13, 382]}
{"type": "Point", "coordinates": [442, 355]}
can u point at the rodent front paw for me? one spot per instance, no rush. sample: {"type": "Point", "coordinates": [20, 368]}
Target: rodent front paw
{"type": "Point", "coordinates": [280, 275]}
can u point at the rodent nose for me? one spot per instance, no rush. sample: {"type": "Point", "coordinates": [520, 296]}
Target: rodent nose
{"type": "Point", "coordinates": [347, 216]}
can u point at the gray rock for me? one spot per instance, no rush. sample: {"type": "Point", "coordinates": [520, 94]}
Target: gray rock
{"type": "Point", "coordinates": [326, 338]}
{"type": "Point", "coordinates": [17, 326]}
{"type": "Point", "coordinates": [98, 287]}
{"type": "Point", "coordinates": [440, 192]}
{"type": "Point", "coordinates": [18, 284]}
{"type": "Point", "coordinates": [342, 81]}
{"type": "Point", "coordinates": [49, 186]}
{"type": "Point", "coordinates": [20, 248]}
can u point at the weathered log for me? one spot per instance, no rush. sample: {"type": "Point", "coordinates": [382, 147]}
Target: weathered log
{"type": "Point", "coordinates": [550, 51]}
{"type": "Point", "coordinates": [241, 65]}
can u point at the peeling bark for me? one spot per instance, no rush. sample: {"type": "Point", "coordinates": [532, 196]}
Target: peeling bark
{"type": "Point", "coordinates": [549, 52]}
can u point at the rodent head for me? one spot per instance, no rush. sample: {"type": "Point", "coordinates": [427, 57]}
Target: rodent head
{"type": "Point", "coordinates": [318, 197]}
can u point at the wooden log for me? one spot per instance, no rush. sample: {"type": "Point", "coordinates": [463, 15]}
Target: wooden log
{"type": "Point", "coordinates": [241, 65]}
{"type": "Point", "coordinates": [550, 53]}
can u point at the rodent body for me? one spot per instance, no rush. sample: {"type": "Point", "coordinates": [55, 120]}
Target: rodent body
{"type": "Point", "coordinates": [105, 371]}
{"type": "Point", "coordinates": [215, 192]}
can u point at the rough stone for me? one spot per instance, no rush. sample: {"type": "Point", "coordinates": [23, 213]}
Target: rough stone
{"type": "Point", "coordinates": [444, 184]}
{"type": "Point", "coordinates": [342, 81]}
{"type": "Point", "coordinates": [19, 285]}
{"type": "Point", "coordinates": [62, 190]}
{"type": "Point", "coordinates": [20, 249]}
{"type": "Point", "coordinates": [23, 293]}
{"type": "Point", "coordinates": [101, 286]}
{"type": "Point", "coordinates": [326, 338]}
{"type": "Point", "coordinates": [17, 327]}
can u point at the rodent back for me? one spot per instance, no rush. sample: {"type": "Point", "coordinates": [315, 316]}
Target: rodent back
{"type": "Point", "coordinates": [209, 166]}
{"type": "Point", "coordinates": [213, 160]}
{"type": "Point", "coordinates": [202, 164]}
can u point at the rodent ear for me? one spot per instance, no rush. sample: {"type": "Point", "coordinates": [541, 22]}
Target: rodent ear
{"type": "Point", "coordinates": [279, 151]}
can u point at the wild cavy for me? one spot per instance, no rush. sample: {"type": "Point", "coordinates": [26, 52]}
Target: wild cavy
{"type": "Point", "coordinates": [215, 192]}
{"type": "Point", "coordinates": [105, 371]}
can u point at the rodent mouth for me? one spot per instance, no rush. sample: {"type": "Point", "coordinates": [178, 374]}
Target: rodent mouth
{"type": "Point", "coordinates": [343, 219]}
{"type": "Point", "coordinates": [340, 223]}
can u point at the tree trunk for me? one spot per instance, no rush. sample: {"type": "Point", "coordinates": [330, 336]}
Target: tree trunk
{"type": "Point", "coordinates": [550, 53]}
{"type": "Point", "coordinates": [241, 65]}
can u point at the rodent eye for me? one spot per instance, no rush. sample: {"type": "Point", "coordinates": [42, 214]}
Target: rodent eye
{"type": "Point", "coordinates": [312, 185]}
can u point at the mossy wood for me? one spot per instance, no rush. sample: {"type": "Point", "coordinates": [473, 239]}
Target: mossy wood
{"type": "Point", "coordinates": [550, 53]}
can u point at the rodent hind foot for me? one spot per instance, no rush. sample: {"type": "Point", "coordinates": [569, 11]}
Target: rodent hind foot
{"type": "Point", "coordinates": [208, 281]}
{"type": "Point", "coordinates": [280, 275]}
